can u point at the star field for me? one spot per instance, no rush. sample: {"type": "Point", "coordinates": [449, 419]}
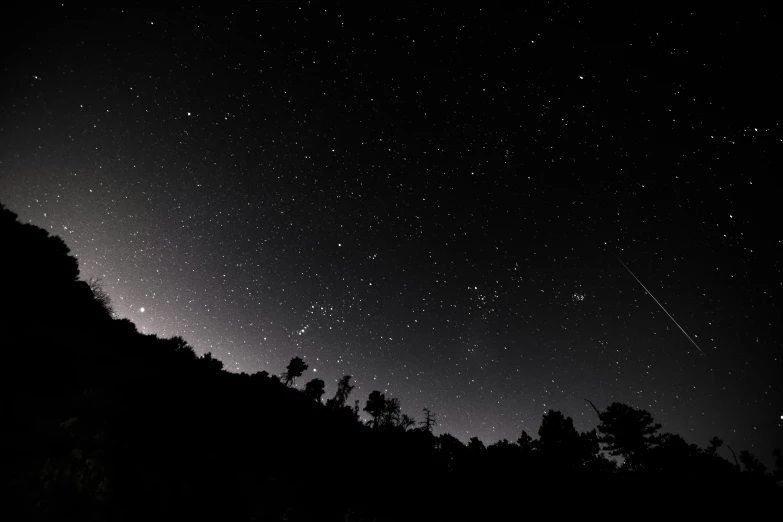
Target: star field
{"type": "Point", "coordinates": [434, 202]}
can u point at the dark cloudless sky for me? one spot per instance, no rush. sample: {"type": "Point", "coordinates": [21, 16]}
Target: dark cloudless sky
{"type": "Point", "coordinates": [436, 202]}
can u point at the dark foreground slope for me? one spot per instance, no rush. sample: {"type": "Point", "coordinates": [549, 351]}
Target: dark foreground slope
{"type": "Point", "coordinates": [104, 423]}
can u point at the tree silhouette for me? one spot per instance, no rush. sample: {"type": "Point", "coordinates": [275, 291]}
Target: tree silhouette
{"type": "Point", "coordinates": [475, 444]}
{"type": "Point", "coordinates": [315, 389]}
{"type": "Point", "coordinates": [180, 353]}
{"type": "Point", "coordinates": [673, 455]}
{"type": "Point", "coordinates": [590, 452]}
{"type": "Point", "coordinates": [406, 421]}
{"type": "Point", "coordinates": [502, 452]}
{"type": "Point", "coordinates": [526, 442]}
{"type": "Point", "coordinates": [294, 369]}
{"type": "Point", "coordinates": [556, 431]}
{"type": "Point", "coordinates": [559, 441]}
{"type": "Point", "coordinates": [450, 449]}
{"type": "Point", "coordinates": [344, 388]}
{"type": "Point", "coordinates": [712, 449]}
{"type": "Point", "coordinates": [627, 432]}
{"type": "Point", "coordinates": [376, 405]}
{"type": "Point", "coordinates": [392, 411]}
{"type": "Point", "coordinates": [100, 296]}
{"type": "Point", "coordinates": [429, 421]}
{"type": "Point", "coordinates": [751, 464]}
{"type": "Point", "coordinates": [212, 363]}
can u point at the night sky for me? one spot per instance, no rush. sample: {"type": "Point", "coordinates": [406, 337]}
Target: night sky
{"type": "Point", "coordinates": [439, 203]}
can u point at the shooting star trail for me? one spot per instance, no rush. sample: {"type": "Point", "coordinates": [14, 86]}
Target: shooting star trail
{"type": "Point", "coordinates": [662, 308]}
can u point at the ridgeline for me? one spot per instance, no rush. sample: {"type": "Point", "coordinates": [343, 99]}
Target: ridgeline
{"type": "Point", "coordinates": [105, 423]}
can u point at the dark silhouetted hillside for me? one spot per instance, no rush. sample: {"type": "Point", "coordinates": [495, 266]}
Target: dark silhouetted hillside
{"type": "Point", "coordinates": [102, 422]}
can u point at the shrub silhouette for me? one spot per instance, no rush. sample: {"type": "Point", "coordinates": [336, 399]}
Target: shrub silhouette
{"type": "Point", "coordinates": [751, 464]}
{"type": "Point", "coordinates": [315, 389]}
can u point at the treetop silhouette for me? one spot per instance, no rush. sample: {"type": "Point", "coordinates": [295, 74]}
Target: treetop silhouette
{"type": "Point", "coordinates": [627, 432]}
{"type": "Point", "coordinates": [295, 369]}
{"type": "Point", "coordinates": [315, 389]}
{"type": "Point", "coordinates": [344, 389]}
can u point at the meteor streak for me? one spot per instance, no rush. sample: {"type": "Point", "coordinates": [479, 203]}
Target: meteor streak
{"type": "Point", "coordinates": [659, 304]}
